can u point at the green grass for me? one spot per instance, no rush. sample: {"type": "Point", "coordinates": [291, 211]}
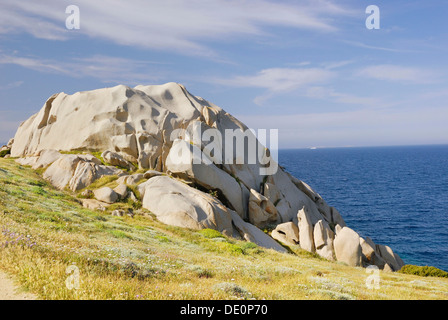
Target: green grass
{"type": "Point", "coordinates": [211, 233]}
{"type": "Point", "coordinates": [44, 231]}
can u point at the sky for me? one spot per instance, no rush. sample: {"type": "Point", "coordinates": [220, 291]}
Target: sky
{"type": "Point", "coordinates": [309, 68]}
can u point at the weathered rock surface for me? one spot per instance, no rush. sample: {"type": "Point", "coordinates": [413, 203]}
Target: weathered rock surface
{"type": "Point", "coordinates": [391, 258]}
{"type": "Point", "coordinates": [106, 194]}
{"type": "Point", "coordinates": [323, 240]}
{"type": "Point", "coordinates": [193, 166]}
{"type": "Point", "coordinates": [122, 191]}
{"type": "Point", "coordinates": [70, 170]}
{"type": "Point", "coordinates": [62, 170]}
{"type": "Point", "coordinates": [116, 159]}
{"type": "Point", "coordinates": [287, 233]}
{"type": "Point", "coordinates": [347, 247]}
{"type": "Point", "coordinates": [45, 158]}
{"type": "Point", "coordinates": [131, 179]}
{"type": "Point", "coordinates": [94, 204]}
{"type": "Point", "coordinates": [176, 203]}
{"type": "Point", "coordinates": [262, 211]}
{"type": "Point", "coordinates": [306, 230]}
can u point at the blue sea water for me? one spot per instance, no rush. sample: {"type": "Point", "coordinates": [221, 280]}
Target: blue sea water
{"type": "Point", "coordinates": [398, 196]}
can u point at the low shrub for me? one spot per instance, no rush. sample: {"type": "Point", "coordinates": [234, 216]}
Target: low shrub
{"type": "Point", "coordinates": [423, 271]}
{"type": "Point", "coordinates": [4, 153]}
{"type": "Point", "coordinates": [211, 233]}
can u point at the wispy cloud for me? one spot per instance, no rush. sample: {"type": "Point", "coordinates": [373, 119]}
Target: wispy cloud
{"type": "Point", "coordinates": [177, 25]}
{"type": "Point", "coordinates": [356, 127]}
{"type": "Point", "coordinates": [345, 98]}
{"type": "Point", "coordinates": [279, 80]}
{"type": "Point", "coordinates": [367, 46]}
{"type": "Point", "coordinates": [315, 83]}
{"type": "Point", "coordinates": [105, 68]}
{"type": "Point", "coordinates": [11, 85]}
{"type": "Point", "coordinates": [395, 73]}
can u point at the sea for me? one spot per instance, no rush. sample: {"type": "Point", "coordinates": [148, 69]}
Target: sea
{"type": "Point", "coordinates": [397, 196]}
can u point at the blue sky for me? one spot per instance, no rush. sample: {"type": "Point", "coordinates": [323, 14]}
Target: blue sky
{"type": "Point", "coordinates": [309, 68]}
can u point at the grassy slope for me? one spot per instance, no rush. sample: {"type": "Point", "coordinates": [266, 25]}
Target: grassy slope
{"type": "Point", "coordinates": [141, 258]}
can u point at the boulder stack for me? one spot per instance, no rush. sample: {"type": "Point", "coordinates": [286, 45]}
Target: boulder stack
{"type": "Point", "coordinates": [151, 128]}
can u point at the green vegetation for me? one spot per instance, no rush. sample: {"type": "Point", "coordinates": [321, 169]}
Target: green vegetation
{"type": "Point", "coordinates": [4, 153]}
{"type": "Point", "coordinates": [44, 231]}
{"type": "Point", "coordinates": [211, 233]}
{"type": "Point", "coordinates": [423, 271]}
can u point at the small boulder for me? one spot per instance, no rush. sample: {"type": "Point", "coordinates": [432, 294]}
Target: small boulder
{"type": "Point", "coordinates": [106, 194]}
{"type": "Point", "coordinates": [94, 204]}
{"type": "Point", "coordinates": [132, 196]}
{"type": "Point", "coordinates": [61, 171]}
{"type": "Point", "coordinates": [131, 179]}
{"type": "Point", "coordinates": [134, 178]}
{"type": "Point", "coordinates": [287, 233]}
{"type": "Point", "coordinates": [87, 194]}
{"type": "Point", "coordinates": [122, 191]}
{"type": "Point", "coordinates": [121, 213]}
{"type": "Point", "coordinates": [118, 213]}
{"type": "Point", "coordinates": [115, 159]}
{"type": "Point", "coordinates": [87, 172]}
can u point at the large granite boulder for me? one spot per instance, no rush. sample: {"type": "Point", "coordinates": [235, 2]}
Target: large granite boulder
{"type": "Point", "coordinates": [235, 188]}
{"type": "Point", "coordinates": [135, 122]}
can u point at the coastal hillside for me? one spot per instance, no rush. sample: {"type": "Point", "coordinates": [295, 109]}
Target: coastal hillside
{"type": "Point", "coordinates": [47, 232]}
{"type": "Point", "coordinates": [188, 162]}
{"type": "Point", "coordinates": [118, 175]}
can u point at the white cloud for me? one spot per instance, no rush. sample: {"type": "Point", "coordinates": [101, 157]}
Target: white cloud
{"type": "Point", "coordinates": [366, 46]}
{"type": "Point", "coordinates": [11, 85]}
{"type": "Point", "coordinates": [332, 95]}
{"type": "Point", "coordinates": [283, 79]}
{"type": "Point", "coordinates": [396, 73]}
{"type": "Point", "coordinates": [279, 80]}
{"type": "Point", "coordinates": [176, 25]}
{"type": "Point", "coordinates": [32, 63]}
{"type": "Point", "coordinates": [306, 82]}
{"type": "Point", "coordinates": [105, 68]}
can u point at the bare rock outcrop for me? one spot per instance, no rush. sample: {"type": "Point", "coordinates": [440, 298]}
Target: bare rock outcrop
{"type": "Point", "coordinates": [195, 177]}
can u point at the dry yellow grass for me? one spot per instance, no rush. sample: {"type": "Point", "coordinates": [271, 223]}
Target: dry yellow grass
{"type": "Point", "coordinates": [45, 231]}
